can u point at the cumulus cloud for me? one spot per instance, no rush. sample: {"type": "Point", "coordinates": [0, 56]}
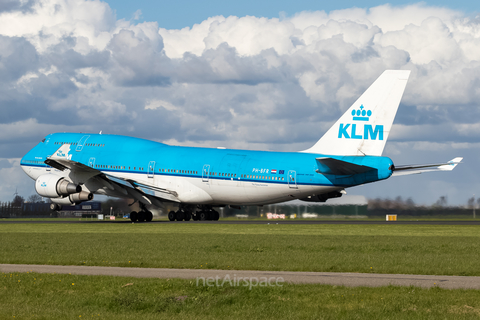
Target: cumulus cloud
{"type": "Point", "coordinates": [16, 5]}
{"type": "Point", "coordinates": [240, 82]}
{"type": "Point", "coordinates": [17, 57]}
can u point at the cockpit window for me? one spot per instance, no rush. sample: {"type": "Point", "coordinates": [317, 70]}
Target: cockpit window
{"type": "Point", "coordinates": [43, 140]}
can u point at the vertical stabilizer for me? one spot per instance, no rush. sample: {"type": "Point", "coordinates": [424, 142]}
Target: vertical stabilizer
{"type": "Point", "coordinates": [364, 128]}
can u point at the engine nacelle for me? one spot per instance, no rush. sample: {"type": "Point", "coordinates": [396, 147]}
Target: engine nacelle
{"type": "Point", "coordinates": [75, 198]}
{"type": "Point", "coordinates": [323, 197]}
{"type": "Point", "coordinates": [53, 186]}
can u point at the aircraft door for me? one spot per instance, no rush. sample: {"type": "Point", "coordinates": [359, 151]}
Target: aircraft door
{"type": "Point", "coordinates": [81, 143]}
{"type": "Point", "coordinates": [292, 179]}
{"type": "Point", "coordinates": [151, 169]}
{"type": "Point", "coordinates": [91, 162]}
{"type": "Point", "coordinates": [206, 173]}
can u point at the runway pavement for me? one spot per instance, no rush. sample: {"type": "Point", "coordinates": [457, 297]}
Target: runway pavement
{"type": "Point", "coordinates": [331, 278]}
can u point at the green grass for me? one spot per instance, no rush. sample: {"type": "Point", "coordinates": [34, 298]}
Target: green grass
{"type": "Point", "coordinates": [407, 249]}
{"type": "Point", "coordinates": [55, 296]}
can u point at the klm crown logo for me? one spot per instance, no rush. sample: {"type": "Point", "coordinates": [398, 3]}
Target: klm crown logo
{"type": "Point", "coordinates": [349, 130]}
{"type": "Point", "coordinates": [361, 114]}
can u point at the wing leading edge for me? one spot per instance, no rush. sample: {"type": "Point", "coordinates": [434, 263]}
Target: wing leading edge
{"type": "Point", "coordinates": [138, 190]}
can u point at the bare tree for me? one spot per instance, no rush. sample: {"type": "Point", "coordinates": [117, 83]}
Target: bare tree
{"type": "Point", "coordinates": [34, 198]}
{"type": "Point", "coordinates": [471, 202]}
{"type": "Point", "coordinates": [410, 203]}
{"type": "Point", "coordinates": [441, 202]}
{"type": "Point", "coordinates": [18, 201]}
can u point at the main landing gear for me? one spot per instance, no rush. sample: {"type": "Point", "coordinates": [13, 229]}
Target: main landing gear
{"type": "Point", "coordinates": [205, 213]}
{"type": "Point", "coordinates": [141, 216]}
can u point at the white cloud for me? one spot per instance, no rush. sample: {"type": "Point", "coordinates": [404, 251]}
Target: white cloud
{"type": "Point", "coordinates": [16, 181]}
{"type": "Point", "coordinates": [156, 103]}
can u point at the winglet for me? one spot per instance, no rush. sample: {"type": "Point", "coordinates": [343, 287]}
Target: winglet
{"type": "Point", "coordinates": [450, 164]}
{"type": "Point", "coordinates": [62, 153]}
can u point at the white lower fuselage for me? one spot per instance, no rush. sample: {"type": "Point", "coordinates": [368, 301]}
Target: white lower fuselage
{"type": "Point", "coordinates": [197, 190]}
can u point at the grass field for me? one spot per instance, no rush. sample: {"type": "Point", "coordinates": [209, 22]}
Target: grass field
{"type": "Point", "coordinates": [418, 249]}
{"type": "Point", "coordinates": [408, 249]}
{"type": "Point", "coordinates": [54, 296]}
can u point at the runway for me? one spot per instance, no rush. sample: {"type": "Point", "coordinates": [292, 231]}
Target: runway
{"type": "Point", "coordinates": [299, 222]}
{"type": "Point", "coordinates": [330, 278]}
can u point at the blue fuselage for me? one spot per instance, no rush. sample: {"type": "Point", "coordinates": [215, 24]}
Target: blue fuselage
{"type": "Point", "coordinates": [123, 156]}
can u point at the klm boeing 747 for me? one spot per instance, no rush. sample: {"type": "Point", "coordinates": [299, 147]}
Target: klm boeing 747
{"type": "Point", "coordinates": [70, 168]}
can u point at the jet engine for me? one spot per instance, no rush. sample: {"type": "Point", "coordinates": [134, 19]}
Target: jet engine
{"type": "Point", "coordinates": [72, 199]}
{"type": "Point", "coordinates": [53, 186]}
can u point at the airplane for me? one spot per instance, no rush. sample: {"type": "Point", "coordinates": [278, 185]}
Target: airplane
{"type": "Point", "coordinates": [69, 168]}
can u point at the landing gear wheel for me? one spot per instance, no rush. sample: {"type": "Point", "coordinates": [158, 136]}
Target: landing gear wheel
{"type": "Point", "coordinates": [148, 216]}
{"type": "Point", "coordinates": [180, 215]}
{"type": "Point", "coordinates": [141, 216]}
{"type": "Point", "coordinates": [172, 215]}
{"type": "Point", "coordinates": [203, 216]}
{"type": "Point", "coordinates": [215, 215]}
{"type": "Point", "coordinates": [210, 215]}
{"type": "Point", "coordinates": [195, 217]}
{"type": "Point", "coordinates": [55, 207]}
{"type": "Point", "coordinates": [133, 216]}
{"type": "Point", "coordinates": [188, 216]}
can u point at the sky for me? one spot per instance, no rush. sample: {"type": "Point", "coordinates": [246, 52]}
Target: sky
{"type": "Point", "coordinates": [185, 13]}
{"type": "Point", "coordinates": [256, 75]}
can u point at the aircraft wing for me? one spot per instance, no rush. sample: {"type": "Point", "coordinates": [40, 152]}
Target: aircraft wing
{"type": "Point", "coordinates": [81, 173]}
{"type": "Point", "coordinates": [339, 167]}
{"type": "Point", "coordinates": [144, 190]}
{"type": "Point", "coordinates": [61, 160]}
{"type": "Point", "coordinates": [416, 169]}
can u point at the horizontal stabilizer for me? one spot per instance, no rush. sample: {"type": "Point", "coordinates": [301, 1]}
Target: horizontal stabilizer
{"type": "Point", "coordinates": [339, 167]}
{"type": "Point", "coordinates": [416, 169]}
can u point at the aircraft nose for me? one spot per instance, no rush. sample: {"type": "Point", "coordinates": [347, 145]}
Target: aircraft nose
{"type": "Point", "coordinates": [26, 169]}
